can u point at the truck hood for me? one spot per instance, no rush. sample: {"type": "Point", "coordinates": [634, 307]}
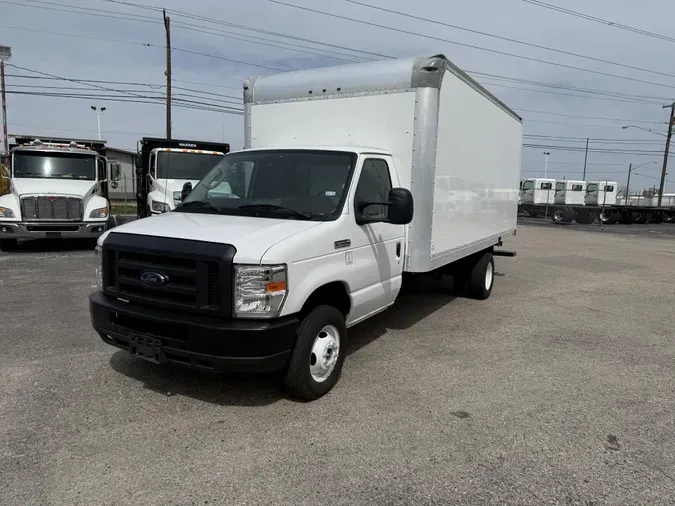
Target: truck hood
{"type": "Point", "coordinates": [251, 236]}
{"type": "Point", "coordinates": [45, 186]}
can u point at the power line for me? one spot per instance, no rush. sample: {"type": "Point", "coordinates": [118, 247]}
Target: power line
{"type": "Point", "coordinates": [248, 28]}
{"type": "Point", "coordinates": [507, 39]}
{"type": "Point", "coordinates": [623, 120]}
{"type": "Point", "coordinates": [600, 20]}
{"type": "Point", "coordinates": [472, 46]}
{"type": "Point", "coordinates": [568, 87]}
{"type": "Point", "coordinates": [609, 151]}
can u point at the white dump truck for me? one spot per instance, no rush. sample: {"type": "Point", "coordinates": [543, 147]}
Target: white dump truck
{"type": "Point", "coordinates": [58, 188]}
{"type": "Point", "coordinates": [351, 177]}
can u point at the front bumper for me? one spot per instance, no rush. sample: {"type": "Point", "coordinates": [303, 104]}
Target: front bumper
{"type": "Point", "coordinates": [49, 230]}
{"type": "Point", "coordinates": [196, 342]}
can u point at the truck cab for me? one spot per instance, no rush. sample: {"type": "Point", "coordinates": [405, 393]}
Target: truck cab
{"type": "Point", "coordinates": [57, 188]}
{"type": "Point", "coordinates": [165, 166]}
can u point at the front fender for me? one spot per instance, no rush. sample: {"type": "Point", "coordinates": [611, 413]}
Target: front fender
{"type": "Point", "coordinates": [306, 276]}
{"type": "Point", "coordinates": [95, 202]}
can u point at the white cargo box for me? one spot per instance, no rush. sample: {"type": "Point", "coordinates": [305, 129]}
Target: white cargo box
{"type": "Point", "coordinates": [570, 193]}
{"type": "Point", "coordinates": [538, 191]}
{"type": "Point", "coordinates": [454, 145]}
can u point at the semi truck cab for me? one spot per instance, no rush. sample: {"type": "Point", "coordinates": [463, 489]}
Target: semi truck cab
{"type": "Point", "coordinates": [170, 169]}
{"type": "Point", "coordinates": [56, 190]}
{"type": "Point", "coordinates": [163, 166]}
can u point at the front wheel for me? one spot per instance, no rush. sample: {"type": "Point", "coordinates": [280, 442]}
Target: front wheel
{"type": "Point", "coordinates": [316, 361]}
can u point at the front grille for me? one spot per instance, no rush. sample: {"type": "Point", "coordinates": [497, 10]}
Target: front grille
{"type": "Point", "coordinates": [51, 208]}
{"type": "Point", "coordinates": [196, 276]}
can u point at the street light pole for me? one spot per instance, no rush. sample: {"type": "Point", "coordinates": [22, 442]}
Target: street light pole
{"type": "Point", "coordinates": [546, 153]}
{"type": "Point", "coordinates": [98, 118]}
{"type": "Point", "coordinates": [5, 55]}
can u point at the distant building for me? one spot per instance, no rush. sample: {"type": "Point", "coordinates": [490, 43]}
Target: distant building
{"type": "Point", "coordinates": [127, 184]}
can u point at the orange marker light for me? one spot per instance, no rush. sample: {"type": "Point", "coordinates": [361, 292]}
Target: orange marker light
{"type": "Point", "coordinates": [276, 286]}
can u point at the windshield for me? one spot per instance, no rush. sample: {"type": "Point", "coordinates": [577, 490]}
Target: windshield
{"type": "Point", "coordinates": [296, 184]}
{"type": "Point", "coordinates": [179, 165]}
{"type": "Point", "coordinates": [54, 165]}
{"type": "Point", "coordinates": [559, 186]}
{"type": "Point", "coordinates": [591, 187]}
{"type": "Point", "coordinates": [528, 185]}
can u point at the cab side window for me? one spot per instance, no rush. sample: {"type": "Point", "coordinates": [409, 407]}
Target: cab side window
{"type": "Point", "coordinates": [374, 185]}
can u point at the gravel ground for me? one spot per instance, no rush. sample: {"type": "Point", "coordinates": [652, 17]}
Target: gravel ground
{"type": "Point", "coordinates": [559, 389]}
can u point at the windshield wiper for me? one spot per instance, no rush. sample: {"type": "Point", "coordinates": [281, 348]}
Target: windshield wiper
{"type": "Point", "coordinates": [201, 204]}
{"type": "Point", "coordinates": [274, 207]}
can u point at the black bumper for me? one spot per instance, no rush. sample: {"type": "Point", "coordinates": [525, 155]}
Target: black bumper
{"type": "Point", "coordinates": [199, 343]}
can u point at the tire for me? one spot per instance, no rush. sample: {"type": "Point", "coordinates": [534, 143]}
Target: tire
{"type": "Point", "coordinates": [562, 215]}
{"type": "Point", "coordinates": [8, 244]}
{"type": "Point", "coordinates": [656, 217]}
{"type": "Point", "coordinates": [480, 280]}
{"type": "Point", "coordinates": [669, 216]}
{"type": "Point", "coordinates": [640, 217]}
{"type": "Point", "coordinates": [606, 218]}
{"type": "Point", "coordinates": [306, 379]}
{"type": "Point", "coordinates": [584, 218]}
{"type": "Point", "coordinates": [625, 219]}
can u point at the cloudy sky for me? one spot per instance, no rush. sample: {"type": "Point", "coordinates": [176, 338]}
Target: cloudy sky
{"type": "Point", "coordinates": [120, 44]}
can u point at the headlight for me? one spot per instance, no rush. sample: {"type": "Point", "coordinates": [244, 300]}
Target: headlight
{"type": "Point", "coordinates": [259, 290]}
{"type": "Point", "coordinates": [99, 213]}
{"type": "Point", "coordinates": [98, 252]}
{"type": "Point", "coordinates": [160, 207]}
{"type": "Point", "coordinates": [6, 213]}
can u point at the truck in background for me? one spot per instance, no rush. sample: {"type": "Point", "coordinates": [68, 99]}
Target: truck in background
{"type": "Point", "coordinates": [163, 167]}
{"type": "Point", "coordinates": [57, 188]}
{"type": "Point", "coordinates": [310, 230]}
{"type": "Point", "coordinates": [587, 202]}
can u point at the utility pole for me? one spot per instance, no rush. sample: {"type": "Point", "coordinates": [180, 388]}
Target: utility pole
{"type": "Point", "coordinates": [671, 122]}
{"type": "Point", "coordinates": [546, 153]}
{"type": "Point", "coordinates": [5, 54]}
{"type": "Point", "coordinates": [167, 29]}
{"type": "Point", "coordinates": [630, 169]}
{"type": "Point", "coordinates": [585, 160]}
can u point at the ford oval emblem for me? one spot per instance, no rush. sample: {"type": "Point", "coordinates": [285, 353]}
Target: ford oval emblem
{"type": "Point", "coordinates": [154, 278]}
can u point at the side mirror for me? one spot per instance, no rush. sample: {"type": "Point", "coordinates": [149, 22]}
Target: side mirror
{"type": "Point", "coordinates": [187, 188]}
{"type": "Point", "coordinates": [401, 208]}
{"type": "Point", "coordinates": [139, 162]}
{"type": "Point", "coordinates": [114, 172]}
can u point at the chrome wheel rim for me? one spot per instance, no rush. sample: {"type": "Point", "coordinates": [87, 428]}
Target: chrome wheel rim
{"type": "Point", "coordinates": [325, 353]}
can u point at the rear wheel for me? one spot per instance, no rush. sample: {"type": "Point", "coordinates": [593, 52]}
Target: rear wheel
{"type": "Point", "coordinates": [606, 218]}
{"type": "Point", "coordinates": [669, 216]}
{"type": "Point", "coordinates": [316, 361]}
{"type": "Point", "coordinates": [640, 217]}
{"type": "Point", "coordinates": [477, 280]}
{"type": "Point", "coordinates": [563, 215]}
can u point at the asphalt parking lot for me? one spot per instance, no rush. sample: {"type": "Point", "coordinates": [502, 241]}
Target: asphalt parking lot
{"type": "Point", "coordinates": [559, 389]}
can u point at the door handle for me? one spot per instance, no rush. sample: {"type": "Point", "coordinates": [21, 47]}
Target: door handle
{"type": "Point", "coordinates": [398, 250]}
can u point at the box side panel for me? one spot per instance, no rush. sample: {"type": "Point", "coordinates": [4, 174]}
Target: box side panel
{"type": "Point", "coordinates": [477, 173]}
{"type": "Point", "coordinates": [382, 121]}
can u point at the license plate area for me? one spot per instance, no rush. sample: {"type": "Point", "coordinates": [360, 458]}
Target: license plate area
{"type": "Point", "coordinates": [53, 235]}
{"type": "Point", "coordinates": [147, 348]}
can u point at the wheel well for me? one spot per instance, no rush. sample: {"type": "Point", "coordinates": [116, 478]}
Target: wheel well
{"type": "Point", "coordinates": [332, 294]}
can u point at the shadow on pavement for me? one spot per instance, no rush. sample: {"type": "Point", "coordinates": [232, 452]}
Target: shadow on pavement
{"type": "Point", "coordinates": [413, 306]}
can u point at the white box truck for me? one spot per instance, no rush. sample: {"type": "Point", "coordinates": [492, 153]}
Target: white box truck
{"type": "Point", "coordinates": [308, 231]}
